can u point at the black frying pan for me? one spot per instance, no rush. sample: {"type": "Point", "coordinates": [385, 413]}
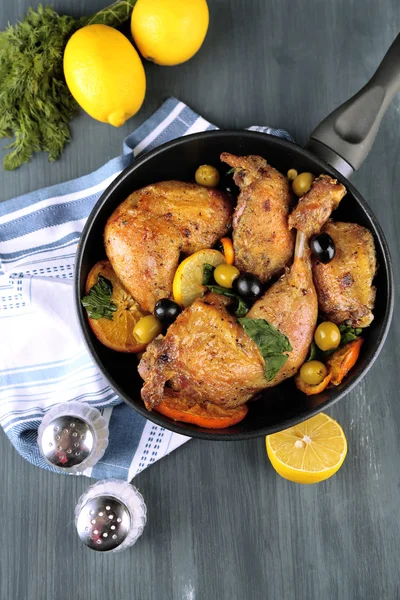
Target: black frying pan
{"type": "Point", "coordinates": [338, 146]}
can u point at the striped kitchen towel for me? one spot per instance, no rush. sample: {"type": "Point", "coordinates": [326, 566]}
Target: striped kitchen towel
{"type": "Point", "coordinates": [43, 359]}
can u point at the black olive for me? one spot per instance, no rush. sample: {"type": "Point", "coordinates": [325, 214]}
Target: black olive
{"type": "Point", "coordinates": [228, 185]}
{"type": "Point", "coordinates": [323, 247]}
{"type": "Point", "coordinates": [248, 286]}
{"type": "Point", "coordinates": [167, 311]}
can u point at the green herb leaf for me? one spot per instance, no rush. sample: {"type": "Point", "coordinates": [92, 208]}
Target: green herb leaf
{"type": "Point", "coordinates": [241, 307]}
{"type": "Point", "coordinates": [348, 334]}
{"type": "Point", "coordinates": [218, 289]}
{"type": "Point", "coordinates": [208, 274]}
{"type": "Point", "coordinates": [313, 351]}
{"type": "Point", "coordinates": [274, 364]}
{"type": "Point", "coordinates": [271, 342]}
{"type": "Point", "coordinates": [208, 279]}
{"type": "Point", "coordinates": [98, 301]}
{"type": "Point", "coordinates": [230, 171]}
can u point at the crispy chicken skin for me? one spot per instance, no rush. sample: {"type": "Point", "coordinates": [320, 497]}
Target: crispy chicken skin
{"type": "Point", "coordinates": [344, 286]}
{"type": "Point", "coordinates": [315, 207]}
{"type": "Point", "coordinates": [206, 355]}
{"type": "Point", "coordinates": [262, 241]}
{"type": "Point", "coordinates": [147, 232]}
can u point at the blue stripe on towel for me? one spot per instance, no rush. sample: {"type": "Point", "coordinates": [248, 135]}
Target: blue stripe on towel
{"type": "Point", "coordinates": [126, 427]}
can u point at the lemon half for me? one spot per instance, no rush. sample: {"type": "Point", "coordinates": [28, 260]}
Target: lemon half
{"type": "Point", "coordinates": [309, 452]}
{"type": "Point", "coordinates": [188, 280]}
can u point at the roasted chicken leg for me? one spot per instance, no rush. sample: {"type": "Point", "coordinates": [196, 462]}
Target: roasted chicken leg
{"type": "Point", "coordinates": [262, 241]}
{"type": "Point", "coordinates": [147, 232]}
{"type": "Point", "coordinates": [344, 286]}
{"type": "Point", "coordinates": [291, 304]}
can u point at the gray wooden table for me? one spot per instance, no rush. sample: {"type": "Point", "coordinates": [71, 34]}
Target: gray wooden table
{"type": "Point", "coordinates": [221, 524]}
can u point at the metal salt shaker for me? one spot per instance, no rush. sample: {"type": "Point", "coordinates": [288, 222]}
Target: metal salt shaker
{"type": "Point", "coordinates": [73, 436]}
{"type": "Point", "coordinates": [110, 516]}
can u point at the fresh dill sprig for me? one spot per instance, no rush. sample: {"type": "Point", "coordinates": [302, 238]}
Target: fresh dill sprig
{"type": "Point", "coordinates": [35, 102]}
{"type": "Point", "coordinates": [113, 15]}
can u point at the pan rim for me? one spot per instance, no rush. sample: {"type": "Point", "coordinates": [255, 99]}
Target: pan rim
{"type": "Point", "coordinates": [220, 435]}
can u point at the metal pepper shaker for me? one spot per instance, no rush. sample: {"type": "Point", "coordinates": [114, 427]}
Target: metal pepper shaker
{"type": "Point", "coordinates": [73, 436]}
{"type": "Point", "coordinates": [110, 516]}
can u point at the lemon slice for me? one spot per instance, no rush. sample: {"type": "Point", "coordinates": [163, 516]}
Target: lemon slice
{"type": "Point", "coordinates": [309, 452]}
{"type": "Point", "coordinates": [116, 333]}
{"type": "Point", "coordinates": [188, 280]}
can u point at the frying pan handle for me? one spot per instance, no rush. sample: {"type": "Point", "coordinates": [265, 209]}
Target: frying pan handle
{"type": "Point", "coordinates": [345, 137]}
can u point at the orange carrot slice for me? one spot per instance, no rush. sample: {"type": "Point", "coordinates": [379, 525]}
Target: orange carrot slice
{"type": "Point", "coordinates": [343, 360]}
{"type": "Point", "coordinates": [309, 389]}
{"type": "Point", "coordinates": [205, 415]}
{"type": "Point", "coordinates": [229, 252]}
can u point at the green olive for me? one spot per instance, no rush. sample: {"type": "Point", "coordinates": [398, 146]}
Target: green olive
{"type": "Point", "coordinates": [207, 176]}
{"type": "Point", "coordinates": [302, 183]}
{"type": "Point", "coordinates": [292, 174]}
{"type": "Point", "coordinates": [313, 372]}
{"type": "Point", "coordinates": [146, 329]}
{"type": "Point", "coordinates": [327, 336]}
{"type": "Point", "coordinates": [225, 275]}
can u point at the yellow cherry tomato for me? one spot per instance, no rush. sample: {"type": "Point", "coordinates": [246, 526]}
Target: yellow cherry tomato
{"type": "Point", "coordinates": [302, 183]}
{"type": "Point", "coordinates": [313, 372]}
{"type": "Point", "coordinates": [292, 174]}
{"type": "Point", "coordinates": [207, 176]}
{"type": "Point", "coordinates": [225, 275]}
{"type": "Point", "coordinates": [327, 336]}
{"type": "Point", "coordinates": [146, 329]}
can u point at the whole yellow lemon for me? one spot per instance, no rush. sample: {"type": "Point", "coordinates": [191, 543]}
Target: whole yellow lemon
{"type": "Point", "coordinates": [169, 32]}
{"type": "Point", "coordinates": [104, 74]}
